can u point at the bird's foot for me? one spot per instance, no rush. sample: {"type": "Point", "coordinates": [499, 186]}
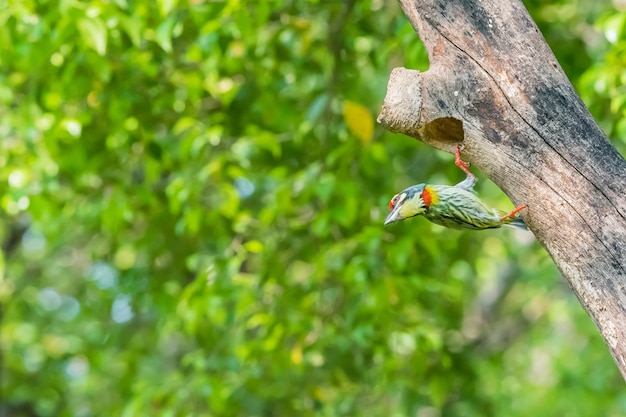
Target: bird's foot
{"type": "Point", "coordinates": [458, 162]}
{"type": "Point", "coordinates": [513, 213]}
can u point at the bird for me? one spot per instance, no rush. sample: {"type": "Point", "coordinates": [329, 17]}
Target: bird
{"type": "Point", "coordinates": [455, 207]}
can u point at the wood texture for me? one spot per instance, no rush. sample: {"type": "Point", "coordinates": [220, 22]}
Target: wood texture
{"type": "Point", "coordinates": [495, 86]}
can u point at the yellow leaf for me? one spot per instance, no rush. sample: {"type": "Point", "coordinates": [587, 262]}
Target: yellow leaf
{"type": "Point", "coordinates": [359, 121]}
{"type": "Point", "coordinates": [296, 354]}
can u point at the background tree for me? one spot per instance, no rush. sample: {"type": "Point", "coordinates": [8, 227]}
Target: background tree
{"type": "Point", "coordinates": [192, 202]}
{"type": "Point", "coordinates": [495, 86]}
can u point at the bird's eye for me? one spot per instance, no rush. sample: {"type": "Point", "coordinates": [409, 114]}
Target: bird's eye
{"type": "Point", "coordinates": [393, 201]}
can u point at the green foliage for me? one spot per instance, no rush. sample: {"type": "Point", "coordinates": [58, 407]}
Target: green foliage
{"type": "Point", "coordinates": [192, 223]}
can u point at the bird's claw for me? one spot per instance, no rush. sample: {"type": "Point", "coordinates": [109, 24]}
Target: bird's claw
{"type": "Point", "coordinates": [513, 213]}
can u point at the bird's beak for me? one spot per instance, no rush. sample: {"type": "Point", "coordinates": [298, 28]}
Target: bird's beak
{"type": "Point", "coordinates": [392, 216]}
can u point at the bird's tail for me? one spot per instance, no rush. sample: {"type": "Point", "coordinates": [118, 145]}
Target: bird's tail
{"type": "Point", "coordinates": [518, 223]}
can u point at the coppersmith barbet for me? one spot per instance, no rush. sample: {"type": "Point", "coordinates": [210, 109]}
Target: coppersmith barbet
{"type": "Point", "coordinates": [456, 207]}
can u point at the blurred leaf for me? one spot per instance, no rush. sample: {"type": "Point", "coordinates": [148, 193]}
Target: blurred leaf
{"type": "Point", "coordinates": [164, 34]}
{"type": "Point", "coordinates": [133, 27]}
{"type": "Point", "coordinates": [165, 6]}
{"type": "Point", "coordinates": [94, 32]}
{"type": "Point", "coordinates": [359, 121]}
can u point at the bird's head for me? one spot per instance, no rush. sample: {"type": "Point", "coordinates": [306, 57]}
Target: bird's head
{"type": "Point", "coordinates": [407, 203]}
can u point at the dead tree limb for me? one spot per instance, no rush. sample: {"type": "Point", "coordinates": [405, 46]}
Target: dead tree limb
{"type": "Point", "coordinates": [495, 86]}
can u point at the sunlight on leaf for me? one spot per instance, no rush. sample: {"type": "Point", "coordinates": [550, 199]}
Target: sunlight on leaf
{"type": "Point", "coordinates": [94, 32]}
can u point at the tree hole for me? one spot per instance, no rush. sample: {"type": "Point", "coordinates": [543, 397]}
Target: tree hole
{"type": "Point", "coordinates": [445, 129]}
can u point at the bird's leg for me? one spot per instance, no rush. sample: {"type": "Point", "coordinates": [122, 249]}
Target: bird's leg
{"type": "Point", "coordinates": [467, 183]}
{"type": "Point", "coordinates": [513, 213]}
{"type": "Point", "coordinates": [458, 162]}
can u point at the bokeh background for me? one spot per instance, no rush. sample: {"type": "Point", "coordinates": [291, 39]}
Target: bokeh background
{"type": "Point", "coordinates": [192, 196]}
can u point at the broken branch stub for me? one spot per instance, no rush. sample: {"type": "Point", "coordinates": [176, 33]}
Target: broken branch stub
{"type": "Point", "coordinates": [403, 102]}
{"type": "Point", "coordinates": [404, 111]}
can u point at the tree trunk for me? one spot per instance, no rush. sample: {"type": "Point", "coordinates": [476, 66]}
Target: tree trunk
{"type": "Point", "coordinates": [495, 86]}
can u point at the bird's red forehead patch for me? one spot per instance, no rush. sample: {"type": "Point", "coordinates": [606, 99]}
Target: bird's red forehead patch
{"type": "Point", "coordinates": [395, 200]}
